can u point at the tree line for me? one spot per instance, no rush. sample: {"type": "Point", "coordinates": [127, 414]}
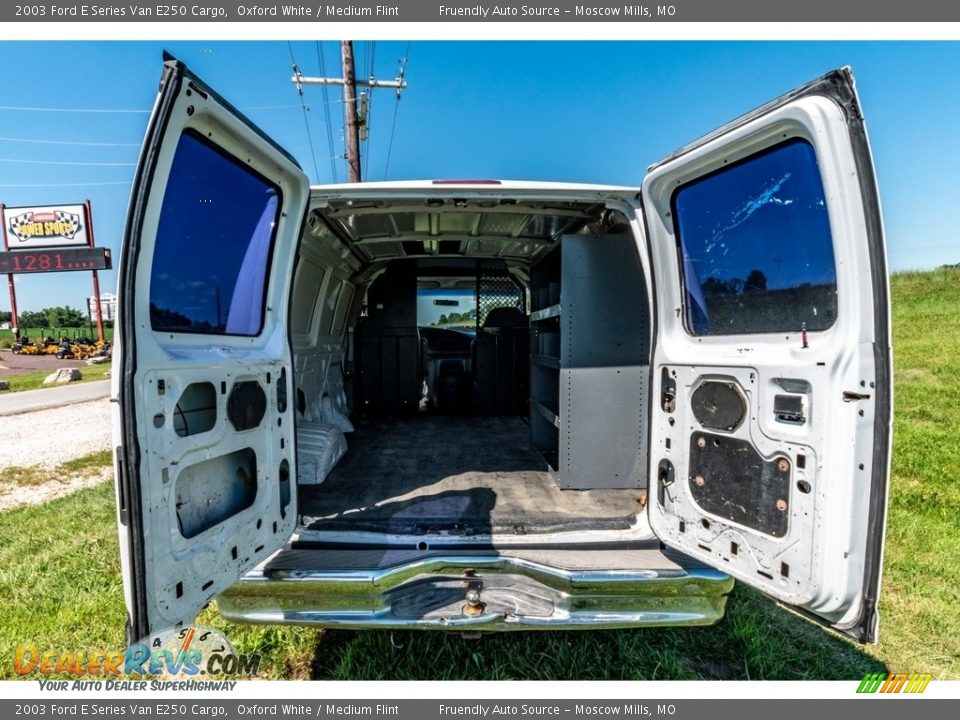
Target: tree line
{"type": "Point", "coordinates": [468, 317]}
{"type": "Point", "coordinates": [51, 317]}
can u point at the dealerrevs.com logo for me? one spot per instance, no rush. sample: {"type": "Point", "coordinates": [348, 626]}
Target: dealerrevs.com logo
{"type": "Point", "coordinates": [184, 652]}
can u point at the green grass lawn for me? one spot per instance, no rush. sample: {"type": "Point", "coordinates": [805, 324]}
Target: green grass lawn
{"type": "Point", "coordinates": [34, 380]}
{"type": "Point", "coordinates": [60, 582]}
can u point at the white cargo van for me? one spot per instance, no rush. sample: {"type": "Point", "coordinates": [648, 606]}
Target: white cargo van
{"type": "Point", "coordinates": [490, 405]}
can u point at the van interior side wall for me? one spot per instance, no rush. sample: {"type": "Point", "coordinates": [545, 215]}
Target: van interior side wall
{"type": "Point", "coordinates": [325, 302]}
{"type": "Point", "coordinates": [571, 454]}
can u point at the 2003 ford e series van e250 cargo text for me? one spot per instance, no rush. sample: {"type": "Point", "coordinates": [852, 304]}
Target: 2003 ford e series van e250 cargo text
{"type": "Point", "coordinates": [486, 405]}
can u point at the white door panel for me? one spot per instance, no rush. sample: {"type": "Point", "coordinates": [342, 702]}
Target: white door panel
{"type": "Point", "coordinates": [205, 436]}
{"type": "Point", "coordinates": [772, 305]}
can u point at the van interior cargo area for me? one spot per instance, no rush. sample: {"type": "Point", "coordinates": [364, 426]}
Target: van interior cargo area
{"type": "Point", "coordinates": [519, 408]}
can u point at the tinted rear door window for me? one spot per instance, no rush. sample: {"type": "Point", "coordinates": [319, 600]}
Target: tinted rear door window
{"type": "Point", "coordinates": [755, 246]}
{"type": "Point", "coordinates": [212, 255]}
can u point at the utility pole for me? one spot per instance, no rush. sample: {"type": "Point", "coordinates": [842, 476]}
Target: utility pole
{"type": "Point", "coordinates": [353, 123]}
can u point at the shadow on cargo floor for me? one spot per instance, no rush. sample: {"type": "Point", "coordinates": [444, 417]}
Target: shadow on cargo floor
{"type": "Point", "coordinates": [464, 474]}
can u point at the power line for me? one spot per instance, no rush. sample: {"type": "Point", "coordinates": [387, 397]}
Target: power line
{"type": "Point", "coordinates": [268, 107]}
{"type": "Point", "coordinates": [369, 109]}
{"type": "Point", "coordinates": [66, 162]}
{"type": "Point", "coordinates": [59, 185]}
{"type": "Point", "coordinates": [123, 111]}
{"type": "Point", "coordinates": [20, 108]}
{"type": "Point", "coordinates": [326, 111]}
{"type": "Point", "coordinates": [366, 142]}
{"type": "Point", "coordinates": [355, 114]}
{"type": "Point", "coordinates": [363, 104]}
{"type": "Point", "coordinates": [68, 142]}
{"type": "Point", "coordinates": [303, 105]}
{"type": "Point", "coordinates": [393, 130]}
{"type": "Point", "coordinates": [396, 108]}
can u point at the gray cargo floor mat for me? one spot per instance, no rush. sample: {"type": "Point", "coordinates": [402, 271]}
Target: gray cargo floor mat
{"type": "Point", "coordinates": [457, 474]}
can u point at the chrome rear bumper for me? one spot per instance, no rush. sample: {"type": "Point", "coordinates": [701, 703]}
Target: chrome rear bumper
{"type": "Point", "coordinates": [478, 593]}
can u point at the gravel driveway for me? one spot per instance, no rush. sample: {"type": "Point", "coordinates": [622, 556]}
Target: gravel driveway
{"type": "Point", "coordinates": [11, 364]}
{"type": "Point", "coordinates": [47, 438]}
{"type": "Point", "coordinates": [50, 437]}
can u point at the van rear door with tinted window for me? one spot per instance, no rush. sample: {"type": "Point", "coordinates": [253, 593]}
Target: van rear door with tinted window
{"type": "Point", "coordinates": [770, 434]}
{"type": "Point", "coordinates": [205, 461]}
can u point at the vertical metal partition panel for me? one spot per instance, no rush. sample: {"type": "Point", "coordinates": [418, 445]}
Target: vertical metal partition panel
{"type": "Point", "coordinates": [388, 345]}
{"type": "Point", "coordinates": [605, 364]}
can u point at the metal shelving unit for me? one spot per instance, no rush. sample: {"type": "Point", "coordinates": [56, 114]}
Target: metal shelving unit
{"type": "Point", "coordinates": [589, 362]}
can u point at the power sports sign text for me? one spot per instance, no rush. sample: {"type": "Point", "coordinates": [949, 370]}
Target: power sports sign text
{"type": "Point", "coordinates": [45, 226]}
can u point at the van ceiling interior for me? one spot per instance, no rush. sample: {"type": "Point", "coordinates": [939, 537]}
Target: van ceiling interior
{"type": "Point", "coordinates": [477, 228]}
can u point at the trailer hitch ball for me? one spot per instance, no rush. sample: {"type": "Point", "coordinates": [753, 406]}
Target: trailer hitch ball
{"type": "Point", "coordinates": [473, 606]}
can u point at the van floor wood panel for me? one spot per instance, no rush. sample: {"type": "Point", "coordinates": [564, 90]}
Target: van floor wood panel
{"type": "Point", "coordinates": [460, 474]}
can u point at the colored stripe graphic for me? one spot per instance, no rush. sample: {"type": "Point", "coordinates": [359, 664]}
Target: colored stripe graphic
{"type": "Point", "coordinates": [920, 684]}
{"type": "Point", "coordinates": [870, 683]}
{"type": "Point", "coordinates": [894, 683]}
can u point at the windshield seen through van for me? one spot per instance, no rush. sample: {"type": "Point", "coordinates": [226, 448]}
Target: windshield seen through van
{"type": "Point", "coordinates": [449, 309]}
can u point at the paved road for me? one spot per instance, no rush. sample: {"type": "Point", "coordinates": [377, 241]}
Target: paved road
{"type": "Point", "coordinates": [29, 400]}
{"type": "Point", "coordinates": [11, 364]}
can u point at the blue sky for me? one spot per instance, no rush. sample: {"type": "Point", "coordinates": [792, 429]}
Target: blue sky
{"type": "Point", "coordinates": [566, 111]}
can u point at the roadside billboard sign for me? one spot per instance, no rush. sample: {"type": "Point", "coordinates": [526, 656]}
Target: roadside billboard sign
{"type": "Point", "coordinates": [50, 238]}
{"type": "Point", "coordinates": [44, 226]}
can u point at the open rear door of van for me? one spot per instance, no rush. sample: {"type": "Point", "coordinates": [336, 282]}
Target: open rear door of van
{"type": "Point", "coordinates": [203, 426]}
{"type": "Point", "coordinates": [770, 433]}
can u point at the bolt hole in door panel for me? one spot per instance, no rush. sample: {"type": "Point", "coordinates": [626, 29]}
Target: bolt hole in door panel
{"type": "Point", "coordinates": [768, 252]}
